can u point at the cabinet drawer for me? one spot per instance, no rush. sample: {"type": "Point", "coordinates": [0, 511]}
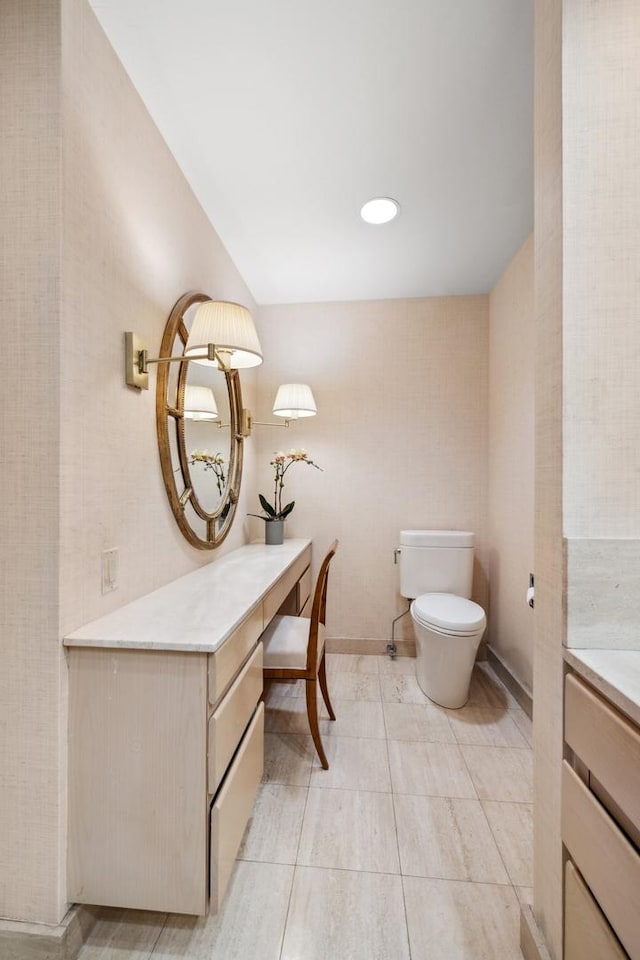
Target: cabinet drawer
{"type": "Point", "coordinates": [279, 593]}
{"type": "Point", "coordinates": [606, 742]}
{"type": "Point", "coordinates": [587, 935]}
{"type": "Point", "coordinates": [232, 807]}
{"type": "Point", "coordinates": [225, 662]}
{"type": "Point", "coordinates": [228, 722]}
{"type": "Point", "coordinates": [607, 861]}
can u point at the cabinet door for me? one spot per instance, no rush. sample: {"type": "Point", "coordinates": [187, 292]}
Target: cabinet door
{"type": "Point", "coordinates": [230, 719]}
{"type": "Point", "coordinates": [232, 807]}
{"type": "Point", "coordinates": [587, 935]}
{"type": "Point", "coordinates": [137, 779]}
{"type": "Point", "coordinates": [609, 864]}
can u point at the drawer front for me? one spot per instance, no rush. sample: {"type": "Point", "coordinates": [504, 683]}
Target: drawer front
{"type": "Point", "coordinates": [284, 586]}
{"type": "Point", "coordinates": [606, 742]}
{"type": "Point", "coordinates": [232, 808]}
{"type": "Point", "coordinates": [304, 589]}
{"type": "Point", "coordinates": [587, 935]}
{"type": "Point", "coordinates": [605, 858]}
{"type": "Point", "coordinates": [229, 721]}
{"type": "Point", "coordinates": [225, 662]}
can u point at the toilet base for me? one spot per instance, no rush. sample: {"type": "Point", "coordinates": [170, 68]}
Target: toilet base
{"type": "Point", "coordinates": [444, 665]}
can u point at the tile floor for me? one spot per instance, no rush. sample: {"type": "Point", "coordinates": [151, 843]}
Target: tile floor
{"type": "Point", "coordinates": [414, 845]}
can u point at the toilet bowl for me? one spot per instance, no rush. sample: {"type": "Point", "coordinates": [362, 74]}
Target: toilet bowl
{"type": "Point", "coordinates": [448, 631]}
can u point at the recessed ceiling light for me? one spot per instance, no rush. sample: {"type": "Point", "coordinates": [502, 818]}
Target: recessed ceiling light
{"type": "Point", "coordinates": [380, 210]}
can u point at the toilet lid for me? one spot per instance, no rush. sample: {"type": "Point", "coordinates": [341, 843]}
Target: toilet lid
{"type": "Point", "coordinates": [449, 612]}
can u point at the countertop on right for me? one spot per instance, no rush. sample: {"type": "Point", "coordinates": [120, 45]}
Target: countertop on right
{"type": "Point", "coordinates": [614, 673]}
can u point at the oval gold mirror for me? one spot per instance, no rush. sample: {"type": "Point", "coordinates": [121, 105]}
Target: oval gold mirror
{"type": "Point", "coordinates": [198, 416]}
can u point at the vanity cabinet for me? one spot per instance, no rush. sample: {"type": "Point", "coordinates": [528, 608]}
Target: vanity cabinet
{"type": "Point", "coordinates": [166, 733]}
{"type": "Point", "coordinates": [600, 822]}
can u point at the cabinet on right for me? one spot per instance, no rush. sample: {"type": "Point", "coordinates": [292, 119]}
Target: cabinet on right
{"type": "Point", "coordinates": [600, 827]}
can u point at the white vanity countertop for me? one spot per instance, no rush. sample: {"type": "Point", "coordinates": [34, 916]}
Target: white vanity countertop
{"type": "Point", "coordinates": [615, 673]}
{"type": "Point", "coordinates": [198, 611]}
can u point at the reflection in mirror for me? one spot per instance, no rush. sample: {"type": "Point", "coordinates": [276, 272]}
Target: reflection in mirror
{"type": "Point", "coordinates": [198, 412]}
{"type": "Point", "coordinates": [207, 433]}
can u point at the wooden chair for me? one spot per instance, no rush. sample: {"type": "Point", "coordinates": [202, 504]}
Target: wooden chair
{"type": "Point", "coordinates": [294, 650]}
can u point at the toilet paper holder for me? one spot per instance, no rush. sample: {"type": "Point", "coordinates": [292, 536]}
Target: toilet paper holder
{"type": "Point", "coordinates": [531, 591]}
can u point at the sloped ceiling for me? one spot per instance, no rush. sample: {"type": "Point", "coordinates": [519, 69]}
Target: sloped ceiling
{"type": "Point", "coordinates": [286, 115]}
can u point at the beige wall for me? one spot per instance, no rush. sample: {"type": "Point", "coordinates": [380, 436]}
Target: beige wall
{"type": "Point", "coordinates": [601, 175]}
{"type": "Point", "coordinates": [587, 216]}
{"type": "Point", "coordinates": [548, 616]}
{"type": "Point", "coordinates": [401, 434]}
{"type": "Point", "coordinates": [105, 235]}
{"type": "Point", "coordinates": [511, 464]}
{"type": "Point", "coordinates": [32, 716]}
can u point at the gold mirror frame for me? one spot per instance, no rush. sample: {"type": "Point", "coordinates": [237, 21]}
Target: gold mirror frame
{"type": "Point", "coordinates": [170, 419]}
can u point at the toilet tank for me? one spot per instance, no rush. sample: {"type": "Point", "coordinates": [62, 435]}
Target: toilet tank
{"type": "Point", "coordinates": [436, 561]}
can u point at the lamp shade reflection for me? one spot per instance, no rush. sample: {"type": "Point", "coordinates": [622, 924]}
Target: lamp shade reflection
{"type": "Point", "coordinates": [199, 403]}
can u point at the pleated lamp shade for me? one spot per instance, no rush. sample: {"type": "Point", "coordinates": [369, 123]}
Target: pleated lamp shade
{"type": "Point", "coordinates": [230, 328]}
{"type": "Point", "coordinates": [199, 403]}
{"type": "Point", "coordinates": [294, 400]}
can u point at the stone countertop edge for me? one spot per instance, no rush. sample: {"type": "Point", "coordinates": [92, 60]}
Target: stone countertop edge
{"type": "Point", "coordinates": [157, 620]}
{"type": "Point", "coordinates": [614, 673]}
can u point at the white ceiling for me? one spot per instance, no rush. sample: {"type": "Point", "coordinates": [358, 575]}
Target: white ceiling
{"type": "Point", "coordinates": [286, 115]}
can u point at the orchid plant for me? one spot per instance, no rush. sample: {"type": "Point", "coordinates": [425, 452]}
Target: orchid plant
{"type": "Point", "coordinates": [211, 461]}
{"type": "Point", "coordinates": [281, 463]}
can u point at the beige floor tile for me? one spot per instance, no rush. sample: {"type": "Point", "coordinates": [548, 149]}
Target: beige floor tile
{"type": "Point", "coordinates": [451, 920]}
{"type": "Point", "coordinates": [349, 830]}
{"type": "Point", "coordinates": [250, 922]}
{"type": "Point", "coordinates": [288, 759]}
{"type": "Point", "coordinates": [486, 727]}
{"type": "Point", "coordinates": [500, 773]}
{"type": "Point", "coordinates": [354, 764]}
{"type": "Point", "coordinates": [524, 724]}
{"type": "Point", "coordinates": [273, 832]}
{"type": "Point", "coordinates": [123, 933]}
{"type": "Point", "coordinates": [429, 769]}
{"type": "Point", "coordinates": [525, 895]}
{"type": "Point", "coordinates": [354, 686]}
{"type": "Point", "coordinates": [278, 689]}
{"type": "Point", "coordinates": [417, 721]}
{"type": "Point", "coordinates": [355, 718]}
{"type": "Point", "coordinates": [401, 666]}
{"type": "Point", "coordinates": [446, 839]}
{"type": "Point", "coordinates": [487, 691]}
{"type": "Point", "coordinates": [402, 688]}
{"type": "Point", "coordinates": [345, 915]}
{"type": "Point", "coordinates": [286, 715]}
{"type": "Point", "coordinates": [512, 826]}
{"type": "Point", "coordinates": [352, 663]}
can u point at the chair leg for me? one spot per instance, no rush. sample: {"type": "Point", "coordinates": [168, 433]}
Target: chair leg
{"type": "Point", "coordinates": [312, 714]}
{"type": "Point", "coordinates": [322, 677]}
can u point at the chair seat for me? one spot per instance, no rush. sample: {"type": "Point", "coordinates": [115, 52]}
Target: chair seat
{"type": "Point", "coordinates": [285, 643]}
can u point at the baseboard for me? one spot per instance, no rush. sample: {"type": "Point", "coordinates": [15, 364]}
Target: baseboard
{"type": "Point", "coordinates": [364, 645]}
{"type": "Point", "coordinates": [41, 941]}
{"type": "Point", "coordinates": [512, 684]}
{"type": "Point", "coordinates": [532, 942]}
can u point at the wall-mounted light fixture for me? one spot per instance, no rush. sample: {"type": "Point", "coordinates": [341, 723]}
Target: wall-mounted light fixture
{"type": "Point", "coordinates": [222, 335]}
{"type": "Point", "coordinates": [293, 401]}
{"type": "Point", "coordinates": [199, 403]}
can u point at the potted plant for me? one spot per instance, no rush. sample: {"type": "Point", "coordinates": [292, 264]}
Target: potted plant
{"type": "Point", "coordinates": [275, 514]}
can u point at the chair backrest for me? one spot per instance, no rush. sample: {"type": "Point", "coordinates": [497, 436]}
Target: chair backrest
{"type": "Point", "coordinates": [319, 607]}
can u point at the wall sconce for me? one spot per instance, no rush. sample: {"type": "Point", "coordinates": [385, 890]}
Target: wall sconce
{"type": "Point", "coordinates": [293, 401]}
{"type": "Point", "coordinates": [199, 403]}
{"type": "Point", "coordinates": [222, 335]}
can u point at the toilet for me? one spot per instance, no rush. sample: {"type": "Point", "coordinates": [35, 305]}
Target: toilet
{"type": "Point", "coordinates": [436, 572]}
